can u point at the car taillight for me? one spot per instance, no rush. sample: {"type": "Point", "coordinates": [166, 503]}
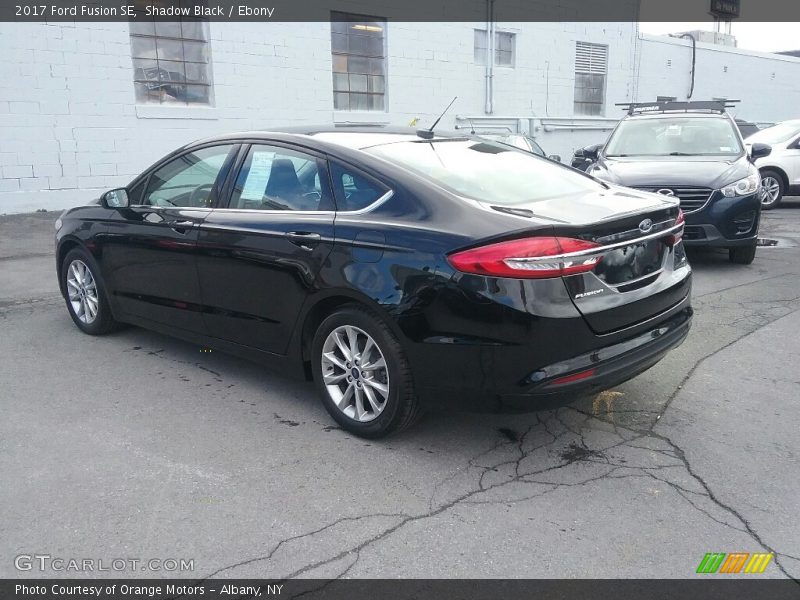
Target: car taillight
{"type": "Point", "coordinates": [673, 239]}
{"type": "Point", "coordinates": [529, 258]}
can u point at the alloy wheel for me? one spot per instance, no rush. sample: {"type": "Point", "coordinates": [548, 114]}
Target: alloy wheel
{"type": "Point", "coordinates": [82, 291]}
{"type": "Point", "coordinates": [355, 373]}
{"type": "Point", "coordinates": [771, 190]}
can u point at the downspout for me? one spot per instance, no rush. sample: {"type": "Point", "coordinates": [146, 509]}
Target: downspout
{"type": "Point", "coordinates": [489, 108]}
{"type": "Point", "coordinates": [694, 60]}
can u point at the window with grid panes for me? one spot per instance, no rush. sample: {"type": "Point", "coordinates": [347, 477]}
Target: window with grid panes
{"type": "Point", "coordinates": [171, 59]}
{"type": "Point", "coordinates": [359, 62]}
{"type": "Point", "coordinates": [504, 43]}
{"type": "Point", "coordinates": [591, 69]}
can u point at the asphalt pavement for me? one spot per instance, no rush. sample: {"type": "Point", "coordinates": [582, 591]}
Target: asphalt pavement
{"type": "Point", "coordinates": [138, 446]}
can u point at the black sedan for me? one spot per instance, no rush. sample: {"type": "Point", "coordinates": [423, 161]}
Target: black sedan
{"type": "Point", "coordinates": [399, 271]}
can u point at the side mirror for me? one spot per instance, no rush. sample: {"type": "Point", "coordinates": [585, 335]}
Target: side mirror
{"type": "Point", "coordinates": [555, 158]}
{"type": "Point", "coordinates": [759, 150]}
{"type": "Point", "coordinates": [591, 152]}
{"type": "Point", "coordinates": [116, 198]}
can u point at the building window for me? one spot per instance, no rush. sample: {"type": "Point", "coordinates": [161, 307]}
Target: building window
{"type": "Point", "coordinates": [171, 60]}
{"type": "Point", "coordinates": [591, 68]}
{"type": "Point", "coordinates": [358, 48]}
{"type": "Point", "coordinates": [504, 46]}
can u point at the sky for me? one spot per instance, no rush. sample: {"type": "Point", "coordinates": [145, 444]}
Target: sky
{"type": "Point", "coordinates": [765, 37]}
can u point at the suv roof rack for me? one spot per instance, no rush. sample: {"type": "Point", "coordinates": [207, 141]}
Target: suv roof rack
{"type": "Point", "coordinates": [715, 106]}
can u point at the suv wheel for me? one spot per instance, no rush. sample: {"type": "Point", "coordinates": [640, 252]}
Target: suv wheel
{"type": "Point", "coordinates": [743, 255]}
{"type": "Point", "coordinates": [362, 374]}
{"type": "Point", "coordinates": [772, 188]}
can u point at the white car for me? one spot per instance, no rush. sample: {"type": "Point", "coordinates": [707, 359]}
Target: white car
{"type": "Point", "coordinates": [780, 171]}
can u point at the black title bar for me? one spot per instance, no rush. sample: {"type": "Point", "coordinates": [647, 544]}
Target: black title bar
{"type": "Point", "coordinates": [408, 10]}
{"type": "Point", "coordinates": [709, 587]}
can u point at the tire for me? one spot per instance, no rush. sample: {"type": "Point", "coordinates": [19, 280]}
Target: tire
{"type": "Point", "coordinates": [385, 393]}
{"type": "Point", "coordinates": [774, 188]}
{"type": "Point", "coordinates": [743, 255]}
{"type": "Point", "coordinates": [84, 293]}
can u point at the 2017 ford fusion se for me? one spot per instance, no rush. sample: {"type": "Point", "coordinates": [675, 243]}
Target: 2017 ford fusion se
{"type": "Point", "coordinates": [398, 270]}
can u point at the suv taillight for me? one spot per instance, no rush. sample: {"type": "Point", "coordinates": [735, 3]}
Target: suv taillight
{"type": "Point", "coordinates": [529, 258]}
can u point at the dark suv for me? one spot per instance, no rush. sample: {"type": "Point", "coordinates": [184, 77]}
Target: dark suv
{"type": "Point", "coordinates": [692, 150]}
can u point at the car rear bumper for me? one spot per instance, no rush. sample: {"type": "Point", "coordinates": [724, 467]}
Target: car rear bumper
{"type": "Point", "coordinates": [592, 372]}
{"type": "Point", "coordinates": [510, 378]}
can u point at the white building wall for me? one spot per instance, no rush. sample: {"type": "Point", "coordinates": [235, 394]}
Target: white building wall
{"type": "Point", "coordinates": [768, 85]}
{"type": "Point", "coordinates": [70, 126]}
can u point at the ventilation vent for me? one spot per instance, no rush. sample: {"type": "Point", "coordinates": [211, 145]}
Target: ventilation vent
{"type": "Point", "coordinates": [725, 69]}
{"type": "Point", "coordinates": [772, 76]}
{"type": "Point", "coordinates": [591, 58]}
{"type": "Point", "coordinates": [669, 62]}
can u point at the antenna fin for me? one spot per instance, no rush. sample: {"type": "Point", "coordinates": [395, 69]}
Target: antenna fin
{"type": "Point", "coordinates": [427, 134]}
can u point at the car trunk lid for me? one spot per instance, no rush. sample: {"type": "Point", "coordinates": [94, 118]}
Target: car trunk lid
{"type": "Point", "coordinates": [634, 278]}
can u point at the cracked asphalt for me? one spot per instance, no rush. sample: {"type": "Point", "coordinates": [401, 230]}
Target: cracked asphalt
{"type": "Point", "coordinates": [138, 445]}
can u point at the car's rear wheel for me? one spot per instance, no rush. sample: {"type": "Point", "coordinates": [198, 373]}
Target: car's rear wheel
{"type": "Point", "coordinates": [362, 374]}
{"type": "Point", "coordinates": [85, 294]}
{"type": "Point", "coordinates": [772, 189]}
{"type": "Point", "coordinates": [743, 255]}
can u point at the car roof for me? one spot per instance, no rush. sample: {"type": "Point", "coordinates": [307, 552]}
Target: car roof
{"type": "Point", "coordinates": [356, 137]}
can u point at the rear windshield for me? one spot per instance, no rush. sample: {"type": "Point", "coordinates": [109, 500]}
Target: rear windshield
{"type": "Point", "coordinates": [676, 136]}
{"type": "Point", "coordinates": [487, 171]}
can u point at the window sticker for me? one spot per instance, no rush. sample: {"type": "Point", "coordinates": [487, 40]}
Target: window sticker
{"type": "Point", "coordinates": [673, 130]}
{"type": "Point", "coordinates": [257, 176]}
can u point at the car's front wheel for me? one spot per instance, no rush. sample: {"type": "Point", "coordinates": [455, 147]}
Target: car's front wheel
{"type": "Point", "coordinates": [743, 255]}
{"type": "Point", "coordinates": [85, 293]}
{"type": "Point", "coordinates": [362, 374]}
{"type": "Point", "coordinates": [772, 189]}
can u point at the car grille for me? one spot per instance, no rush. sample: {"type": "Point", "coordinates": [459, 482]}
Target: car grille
{"type": "Point", "coordinates": [692, 198]}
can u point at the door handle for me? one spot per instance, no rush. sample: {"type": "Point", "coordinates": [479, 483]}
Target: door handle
{"type": "Point", "coordinates": [180, 226]}
{"type": "Point", "coordinates": [304, 239]}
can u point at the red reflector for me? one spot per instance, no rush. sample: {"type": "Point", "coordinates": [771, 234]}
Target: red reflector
{"type": "Point", "coordinates": [573, 377]}
{"type": "Point", "coordinates": [527, 258]}
{"type": "Point", "coordinates": [673, 239]}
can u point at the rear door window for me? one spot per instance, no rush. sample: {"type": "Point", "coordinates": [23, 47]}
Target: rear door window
{"type": "Point", "coordinates": [277, 178]}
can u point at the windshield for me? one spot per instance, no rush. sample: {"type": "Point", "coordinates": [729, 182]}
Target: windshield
{"type": "Point", "coordinates": [782, 132]}
{"type": "Point", "coordinates": [676, 136]}
{"type": "Point", "coordinates": [487, 171]}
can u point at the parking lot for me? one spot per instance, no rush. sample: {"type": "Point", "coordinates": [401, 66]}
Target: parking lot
{"type": "Point", "coordinates": [138, 445]}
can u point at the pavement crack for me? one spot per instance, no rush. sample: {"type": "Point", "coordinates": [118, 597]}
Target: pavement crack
{"type": "Point", "coordinates": [708, 356]}
{"type": "Point", "coordinates": [283, 542]}
{"type": "Point", "coordinates": [748, 528]}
